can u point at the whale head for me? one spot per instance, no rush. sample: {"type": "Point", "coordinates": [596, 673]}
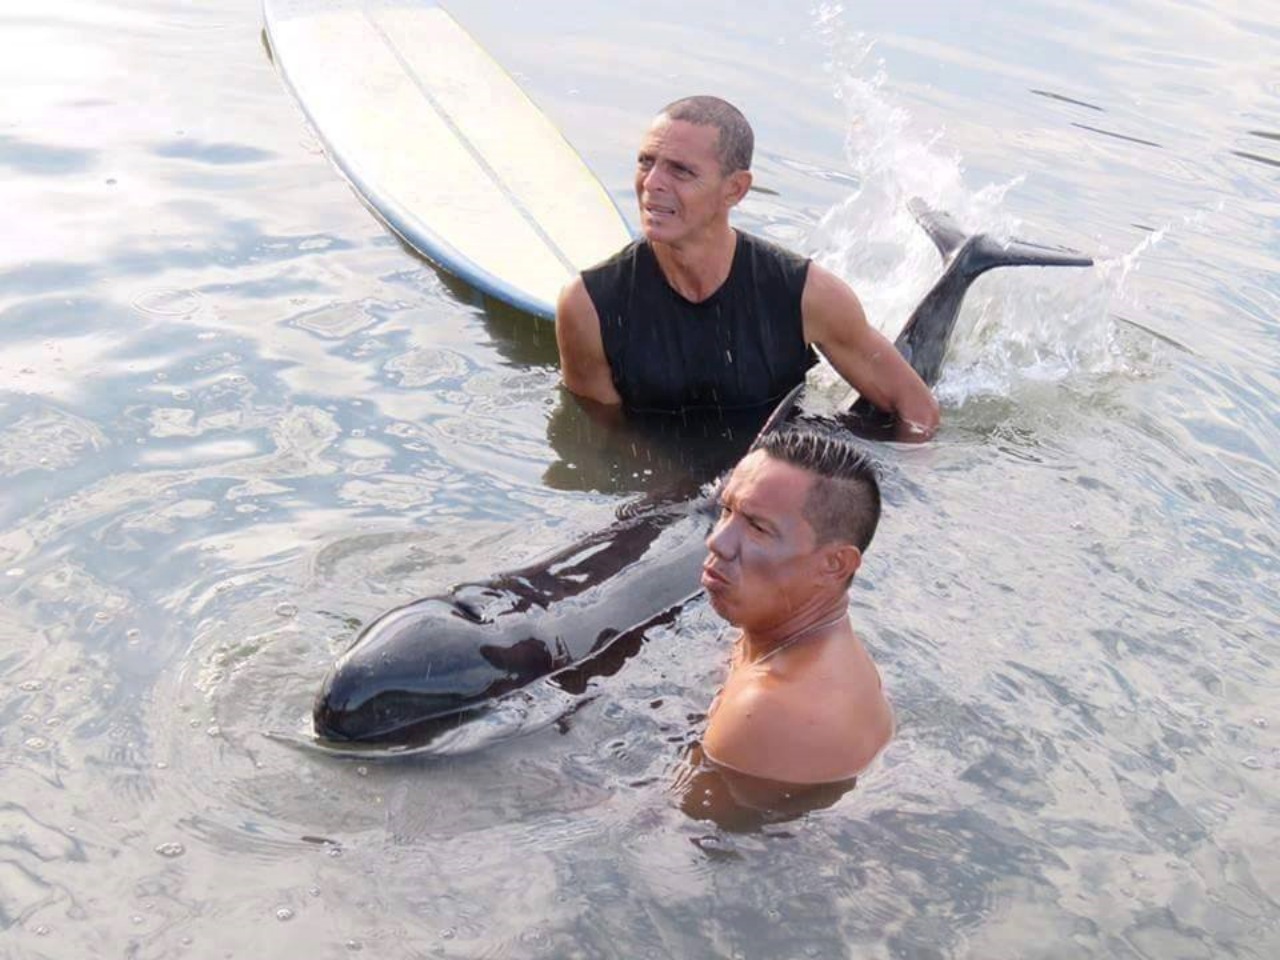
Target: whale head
{"type": "Point", "coordinates": [422, 669]}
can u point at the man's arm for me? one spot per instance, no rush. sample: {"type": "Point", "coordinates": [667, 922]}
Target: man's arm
{"type": "Point", "coordinates": [584, 368]}
{"type": "Point", "coordinates": [835, 322]}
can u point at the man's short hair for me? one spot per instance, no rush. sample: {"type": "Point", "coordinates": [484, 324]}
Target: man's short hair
{"type": "Point", "coordinates": [736, 142]}
{"type": "Point", "coordinates": [844, 501]}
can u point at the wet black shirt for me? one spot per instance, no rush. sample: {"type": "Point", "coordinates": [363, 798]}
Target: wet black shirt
{"type": "Point", "coordinates": [741, 347]}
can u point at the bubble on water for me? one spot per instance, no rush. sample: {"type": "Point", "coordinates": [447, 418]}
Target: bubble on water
{"type": "Point", "coordinates": [448, 933]}
{"type": "Point", "coordinates": [171, 849]}
{"type": "Point", "coordinates": [1253, 763]}
{"type": "Point", "coordinates": [362, 771]}
{"type": "Point", "coordinates": [136, 918]}
{"type": "Point", "coordinates": [334, 851]}
{"type": "Point", "coordinates": [41, 931]}
{"type": "Point", "coordinates": [52, 721]}
{"type": "Point", "coordinates": [132, 634]}
{"type": "Point", "coordinates": [161, 765]}
{"type": "Point", "coordinates": [355, 946]}
{"type": "Point", "coordinates": [15, 572]}
{"type": "Point", "coordinates": [182, 394]}
{"type": "Point", "coordinates": [167, 302]}
{"type": "Point", "coordinates": [1260, 722]}
{"type": "Point", "coordinates": [214, 730]}
{"type": "Point", "coordinates": [286, 609]}
{"type": "Point", "coordinates": [36, 743]}
{"type": "Point", "coordinates": [284, 913]}
{"type": "Point", "coordinates": [102, 616]}
{"type": "Point", "coordinates": [314, 891]}
{"type": "Point", "coordinates": [186, 941]}
{"type": "Point", "coordinates": [31, 686]}
{"type": "Point", "coordinates": [194, 723]}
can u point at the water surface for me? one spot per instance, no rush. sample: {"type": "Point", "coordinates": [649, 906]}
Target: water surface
{"type": "Point", "coordinates": [240, 419]}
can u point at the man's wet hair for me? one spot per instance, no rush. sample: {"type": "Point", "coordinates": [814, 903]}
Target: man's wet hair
{"type": "Point", "coordinates": [736, 142]}
{"type": "Point", "coordinates": [844, 501]}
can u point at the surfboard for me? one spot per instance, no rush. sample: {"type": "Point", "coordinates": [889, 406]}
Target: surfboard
{"type": "Point", "coordinates": [443, 146]}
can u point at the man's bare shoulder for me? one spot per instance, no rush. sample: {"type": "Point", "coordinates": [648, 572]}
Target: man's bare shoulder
{"type": "Point", "coordinates": [801, 730]}
{"type": "Point", "coordinates": [574, 307]}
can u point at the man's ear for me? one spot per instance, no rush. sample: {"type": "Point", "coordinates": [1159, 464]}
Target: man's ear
{"type": "Point", "coordinates": [736, 186]}
{"type": "Point", "coordinates": [841, 561]}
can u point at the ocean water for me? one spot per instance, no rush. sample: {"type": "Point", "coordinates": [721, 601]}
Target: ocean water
{"type": "Point", "coordinates": [240, 419]}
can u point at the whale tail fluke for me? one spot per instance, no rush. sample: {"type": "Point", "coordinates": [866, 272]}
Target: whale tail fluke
{"type": "Point", "coordinates": [924, 339]}
{"type": "Point", "coordinates": [941, 228]}
{"type": "Point", "coordinates": [980, 252]}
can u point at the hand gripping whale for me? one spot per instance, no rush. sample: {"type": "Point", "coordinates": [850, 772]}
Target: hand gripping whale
{"type": "Point", "coordinates": [424, 668]}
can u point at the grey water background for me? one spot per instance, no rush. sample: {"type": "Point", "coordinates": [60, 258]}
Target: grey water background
{"type": "Point", "coordinates": [239, 419]}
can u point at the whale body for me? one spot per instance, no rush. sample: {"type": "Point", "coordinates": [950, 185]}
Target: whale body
{"type": "Point", "coordinates": [425, 667]}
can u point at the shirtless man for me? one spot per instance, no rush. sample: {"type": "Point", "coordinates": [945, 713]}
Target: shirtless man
{"type": "Point", "coordinates": [802, 703]}
{"type": "Point", "coordinates": [697, 314]}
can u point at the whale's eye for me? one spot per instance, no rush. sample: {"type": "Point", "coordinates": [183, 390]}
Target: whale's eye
{"type": "Point", "coordinates": [467, 611]}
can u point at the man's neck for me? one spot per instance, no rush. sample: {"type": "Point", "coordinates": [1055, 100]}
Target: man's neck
{"type": "Point", "coordinates": [812, 623]}
{"type": "Point", "coordinates": [698, 267]}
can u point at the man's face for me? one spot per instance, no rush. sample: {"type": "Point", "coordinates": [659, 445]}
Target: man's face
{"type": "Point", "coordinates": [763, 565]}
{"type": "Point", "coordinates": [679, 184]}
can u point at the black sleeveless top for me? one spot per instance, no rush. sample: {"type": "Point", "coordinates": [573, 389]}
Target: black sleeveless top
{"type": "Point", "coordinates": [741, 347]}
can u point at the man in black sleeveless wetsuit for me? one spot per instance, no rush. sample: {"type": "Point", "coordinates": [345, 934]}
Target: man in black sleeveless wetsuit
{"type": "Point", "coordinates": [699, 315]}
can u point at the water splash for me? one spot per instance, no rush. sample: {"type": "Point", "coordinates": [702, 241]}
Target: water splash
{"type": "Point", "coordinates": [1019, 329]}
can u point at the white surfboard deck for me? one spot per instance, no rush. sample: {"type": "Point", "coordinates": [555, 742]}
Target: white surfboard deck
{"type": "Point", "coordinates": [444, 146]}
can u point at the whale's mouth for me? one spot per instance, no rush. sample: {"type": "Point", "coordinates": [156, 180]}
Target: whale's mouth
{"type": "Point", "coordinates": [392, 717]}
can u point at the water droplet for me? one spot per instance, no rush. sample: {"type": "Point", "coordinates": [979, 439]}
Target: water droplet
{"type": "Point", "coordinates": [286, 609]}
{"type": "Point", "coordinates": [284, 913]}
{"type": "Point", "coordinates": [171, 849]}
{"type": "Point", "coordinates": [1253, 763]}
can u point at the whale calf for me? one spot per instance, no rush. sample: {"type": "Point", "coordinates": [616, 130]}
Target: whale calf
{"type": "Point", "coordinates": [427, 666]}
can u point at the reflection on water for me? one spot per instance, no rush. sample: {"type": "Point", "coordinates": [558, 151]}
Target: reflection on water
{"type": "Point", "coordinates": [239, 421]}
{"type": "Point", "coordinates": [740, 802]}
